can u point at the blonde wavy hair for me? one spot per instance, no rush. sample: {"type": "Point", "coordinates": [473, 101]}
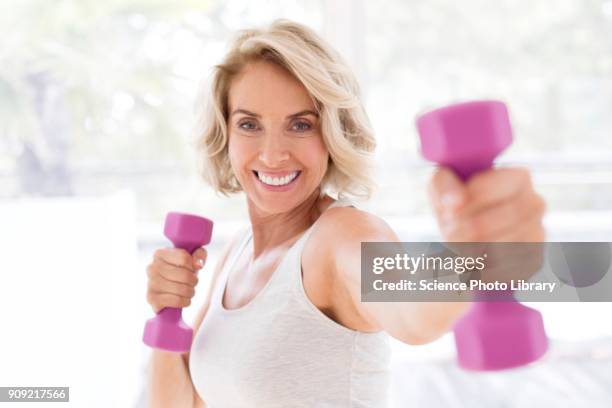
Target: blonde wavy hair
{"type": "Point", "coordinates": [345, 127]}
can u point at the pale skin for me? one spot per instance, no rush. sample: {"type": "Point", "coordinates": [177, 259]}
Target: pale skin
{"type": "Point", "coordinates": [274, 129]}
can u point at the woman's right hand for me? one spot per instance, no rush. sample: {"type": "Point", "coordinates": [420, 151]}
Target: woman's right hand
{"type": "Point", "coordinates": [173, 277]}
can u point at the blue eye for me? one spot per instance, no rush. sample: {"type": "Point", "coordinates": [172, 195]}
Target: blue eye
{"type": "Point", "coordinates": [301, 126]}
{"type": "Point", "coordinates": [247, 125]}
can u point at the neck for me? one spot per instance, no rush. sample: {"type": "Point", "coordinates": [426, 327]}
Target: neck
{"type": "Point", "coordinates": [274, 230]}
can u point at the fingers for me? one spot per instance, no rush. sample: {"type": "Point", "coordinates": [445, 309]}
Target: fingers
{"type": "Point", "coordinates": [515, 218]}
{"type": "Point", "coordinates": [447, 193]}
{"type": "Point", "coordinates": [167, 300]}
{"type": "Point", "coordinates": [175, 256]}
{"type": "Point", "coordinates": [199, 258]}
{"type": "Point", "coordinates": [172, 273]}
{"type": "Point", "coordinates": [531, 231]}
{"type": "Point", "coordinates": [169, 285]}
{"type": "Point", "coordinates": [493, 186]}
{"type": "Point", "coordinates": [158, 284]}
{"type": "Point", "coordinates": [492, 206]}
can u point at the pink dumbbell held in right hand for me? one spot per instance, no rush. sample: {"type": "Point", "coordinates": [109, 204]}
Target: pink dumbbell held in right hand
{"type": "Point", "coordinates": [167, 331]}
{"type": "Point", "coordinates": [467, 137]}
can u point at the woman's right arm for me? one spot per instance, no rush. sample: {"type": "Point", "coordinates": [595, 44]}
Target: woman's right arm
{"type": "Point", "coordinates": [172, 279]}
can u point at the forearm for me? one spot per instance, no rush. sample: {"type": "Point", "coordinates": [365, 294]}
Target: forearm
{"type": "Point", "coordinates": [169, 382]}
{"type": "Point", "coordinates": [410, 322]}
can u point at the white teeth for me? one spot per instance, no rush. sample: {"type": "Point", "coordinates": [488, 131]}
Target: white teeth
{"type": "Point", "coordinates": [277, 181]}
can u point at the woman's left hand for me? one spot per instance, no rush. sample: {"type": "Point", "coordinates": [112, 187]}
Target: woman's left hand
{"type": "Point", "coordinates": [495, 205]}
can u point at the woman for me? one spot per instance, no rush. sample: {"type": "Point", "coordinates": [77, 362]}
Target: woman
{"type": "Point", "coordinates": [283, 324]}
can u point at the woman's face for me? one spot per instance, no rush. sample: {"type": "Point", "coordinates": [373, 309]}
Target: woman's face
{"type": "Point", "coordinates": [275, 144]}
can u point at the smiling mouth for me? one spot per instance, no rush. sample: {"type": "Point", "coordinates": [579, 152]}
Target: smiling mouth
{"type": "Point", "coordinates": [277, 181]}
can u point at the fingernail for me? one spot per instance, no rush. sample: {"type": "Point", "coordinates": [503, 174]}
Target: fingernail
{"type": "Point", "coordinates": [200, 262]}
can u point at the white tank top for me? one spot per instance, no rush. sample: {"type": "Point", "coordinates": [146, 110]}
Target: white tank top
{"type": "Point", "coordinates": [280, 350]}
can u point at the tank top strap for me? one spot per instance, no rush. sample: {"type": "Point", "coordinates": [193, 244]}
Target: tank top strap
{"type": "Point", "coordinates": [229, 264]}
{"type": "Point", "coordinates": [294, 277]}
{"type": "Point", "coordinates": [342, 202]}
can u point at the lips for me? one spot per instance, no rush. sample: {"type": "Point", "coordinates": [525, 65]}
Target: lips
{"type": "Point", "coordinates": [277, 181]}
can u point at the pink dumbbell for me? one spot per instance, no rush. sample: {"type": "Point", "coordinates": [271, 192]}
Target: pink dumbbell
{"type": "Point", "coordinates": [167, 331]}
{"type": "Point", "coordinates": [467, 137]}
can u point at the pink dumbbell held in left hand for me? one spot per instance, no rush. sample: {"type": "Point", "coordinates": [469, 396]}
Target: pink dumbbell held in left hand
{"type": "Point", "coordinates": [167, 331]}
{"type": "Point", "coordinates": [467, 137]}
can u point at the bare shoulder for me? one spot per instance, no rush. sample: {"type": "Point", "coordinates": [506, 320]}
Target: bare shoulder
{"type": "Point", "coordinates": [341, 226]}
{"type": "Point", "coordinates": [331, 263]}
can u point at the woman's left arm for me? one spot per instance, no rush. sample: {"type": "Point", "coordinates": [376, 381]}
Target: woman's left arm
{"type": "Point", "coordinates": [498, 205]}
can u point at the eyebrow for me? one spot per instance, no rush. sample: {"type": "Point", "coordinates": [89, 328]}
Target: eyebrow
{"type": "Point", "coordinates": [293, 115]}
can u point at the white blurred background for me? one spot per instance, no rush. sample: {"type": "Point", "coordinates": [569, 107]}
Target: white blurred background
{"type": "Point", "coordinates": [96, 114]}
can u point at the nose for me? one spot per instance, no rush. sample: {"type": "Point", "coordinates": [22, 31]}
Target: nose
{"type": "Point", "coordinates": [273, 152]}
